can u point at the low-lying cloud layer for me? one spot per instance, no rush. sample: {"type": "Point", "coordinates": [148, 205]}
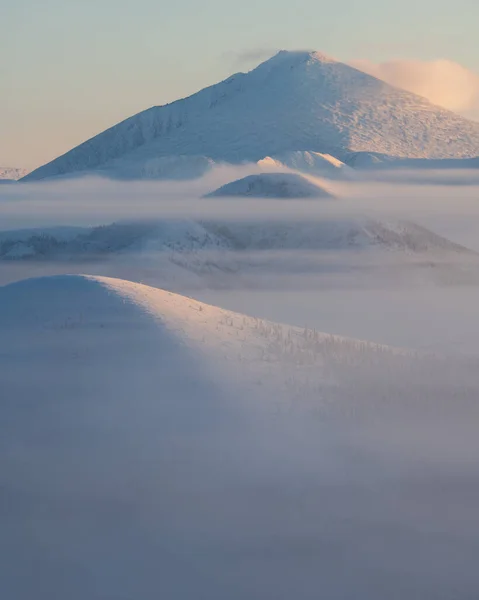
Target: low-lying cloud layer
{"type": "Point", "coordinates": [443, 82]}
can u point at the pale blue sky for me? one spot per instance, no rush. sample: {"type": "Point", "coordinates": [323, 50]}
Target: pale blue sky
{"type": "Point", "coordinates": [69, 69]}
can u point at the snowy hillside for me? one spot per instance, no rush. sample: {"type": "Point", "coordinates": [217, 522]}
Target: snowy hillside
{"type": "Point", "coordinates": [182, 167]}
{"type": "Point", "coordinates": [47, 324]}
{"type": "Point", "coordinates": [272, 185]}
{"type": "Point", "coordinates": [376, 160]}
{"type": "Point", "coordinates": [338, 234]}
{"type": "Point", "coordinates": [74, 319]}
{"type": "Point", "coordinates": [196, 245]}
{"type": "Point", "coordinates": [314, 163]}
{"type": "Point", "coordinates": [155, 445]}
{"type": "Point", "coordinates": [169, 236]}
{"type": "Point", "coordinates": [186, 255]}
{"type": "Point", "coordinates": [294, 101]}
{"type": "Point", "coordinates": [11, 174]}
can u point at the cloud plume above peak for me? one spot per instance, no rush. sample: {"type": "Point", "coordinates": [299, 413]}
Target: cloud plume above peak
{"type": "Point", "coordinates": [443, 82]}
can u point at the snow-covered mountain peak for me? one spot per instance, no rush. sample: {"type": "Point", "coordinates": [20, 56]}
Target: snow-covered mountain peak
{"type": "Point", "coordinates": [296, 57]}
{"type": "Point", "coordinates": [293, 101]}
{"type": "Point", "coordinates": [321, 57]}
{"type": "Point", "coordinates": [293, 66]}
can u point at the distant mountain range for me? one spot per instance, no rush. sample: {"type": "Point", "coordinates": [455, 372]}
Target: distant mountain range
{"type": "Point", "coordinates": [210, 239]}
{"type": "Point", "coordinates": [11, 173]}
{"type": "Point", "coordinates": [295, 101]}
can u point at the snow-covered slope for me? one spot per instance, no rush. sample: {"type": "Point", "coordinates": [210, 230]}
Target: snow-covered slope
{"type": "Point", "coordinates": [338, 234]}
{"type": "Point", "coordinates": [196, 245]}
{"type": "Point", "coordinates": [294, 101]}
{"type": "Point", "coordinates": [273, 185]}
{"type": "Point", "coordinates": [314, 163]}
{"type": "Point", "coordinates": [376, 160]}
{"type": "Point", "coordinates": [152, 445]}
{"type": "Point", "coordinates": [50, 323]}
{"type": "Point", "coordinates": [181, 167]}
{"type": "Point", "coordinates": [11, 173]}
{"type": "Point", "coordinates": [169, 235]}
{"type": "Point", "coordinates": [94, 323]}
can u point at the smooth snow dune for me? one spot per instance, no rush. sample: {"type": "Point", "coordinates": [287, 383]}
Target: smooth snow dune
{"type": "Point", "coordinates": [98, 323]}
{"type": "Point", "coordinates": [101, 323]}
{"type": "Point", "coordinates": [272, 185]}
{"type": "Point", "coordinates": [154, 446]}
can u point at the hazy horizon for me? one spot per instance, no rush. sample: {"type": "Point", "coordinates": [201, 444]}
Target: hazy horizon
{"type": "Point", "coordinates": [239, 354]}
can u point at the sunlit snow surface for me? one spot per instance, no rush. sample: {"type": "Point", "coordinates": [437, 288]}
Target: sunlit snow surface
{"type": "Point", "coordinates": [152, 445]}
{"type": "Point", "coordinates": [294, 101]}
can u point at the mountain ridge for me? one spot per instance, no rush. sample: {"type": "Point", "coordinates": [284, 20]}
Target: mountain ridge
{"type": "Point", "coordinates": [293, 101]}
{"type": "Point", "coordinates": [12, 173]}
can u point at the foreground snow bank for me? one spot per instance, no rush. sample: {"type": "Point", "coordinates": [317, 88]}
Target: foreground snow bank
{"type": "Point", "coordinates": [154, 445]}
{"type": "Point", "coordinates": [72, 316]}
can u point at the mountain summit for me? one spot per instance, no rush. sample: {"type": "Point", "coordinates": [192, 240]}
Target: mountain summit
{"type": "Point", "coordinates": [293, 101]}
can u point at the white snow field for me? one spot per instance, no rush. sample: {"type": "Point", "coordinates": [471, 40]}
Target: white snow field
{"type": "Point", "coordinates": [154, 446]}
{"type": "Point", "coordinates": [294, 101]}
{"type": "Point", "coordinates": [273, 185]}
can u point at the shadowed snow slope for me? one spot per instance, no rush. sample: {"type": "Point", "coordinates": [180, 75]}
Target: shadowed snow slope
{"type": "Point", "coordinates": [294, 101]}
{"type": "Point", "coordinates": [75, 320]}
{"type": "Point", "coordinates": [137, 461]}
{"type": "Point", "coordinates": [160, 167]}
{"type": "Point", "coordinates": [272, 185]}
{"type": "Point", "coordinates": [52, 314]}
